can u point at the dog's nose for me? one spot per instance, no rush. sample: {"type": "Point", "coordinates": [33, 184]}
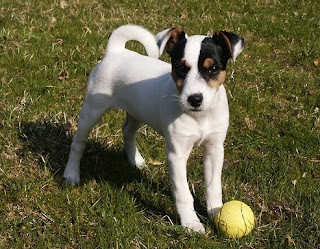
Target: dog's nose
{"type": "Point", "coordinates": [195, 100]}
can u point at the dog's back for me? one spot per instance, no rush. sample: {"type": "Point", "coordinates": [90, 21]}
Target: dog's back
{"type": "Point", "coordinates": [126, 75]}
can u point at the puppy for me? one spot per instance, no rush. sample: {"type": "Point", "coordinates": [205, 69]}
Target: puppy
{"type": "Point", "coordinates": [185, 102]}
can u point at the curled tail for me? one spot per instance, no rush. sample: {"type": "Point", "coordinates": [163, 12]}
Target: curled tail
{"type": "Point", "coordinates": [129, 32]}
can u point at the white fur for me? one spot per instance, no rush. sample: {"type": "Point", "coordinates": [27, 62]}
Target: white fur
{"type": "Point", "coordinates": [132, 32]}
{"type": "Point", "coordinates": [238, 48]}
{"type": "Point", "coordinates": [143, 87]}
{"type": "Point", "coordinates": [162, 39]}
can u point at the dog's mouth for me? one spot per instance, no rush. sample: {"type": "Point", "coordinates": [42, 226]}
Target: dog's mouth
{"type": "Point", "coordinates": [190, 109]}
{"type": "Point", "coordinates": [195, 110]}
{"type": "Point", "coordinates": [187, 108]}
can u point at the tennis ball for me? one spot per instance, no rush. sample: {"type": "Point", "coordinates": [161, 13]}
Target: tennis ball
{"type": "Point", "coordinates": [234, 219]}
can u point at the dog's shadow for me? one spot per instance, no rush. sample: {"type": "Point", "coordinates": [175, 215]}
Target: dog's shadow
{"type": "Point", "coordinates": [50, 143]}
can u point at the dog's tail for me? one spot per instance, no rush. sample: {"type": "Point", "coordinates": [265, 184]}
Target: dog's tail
{"type": "Point", "coordinates": [129, 32]}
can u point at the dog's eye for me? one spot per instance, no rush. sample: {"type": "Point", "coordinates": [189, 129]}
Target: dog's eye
{"type": "Point", "coordinates": [213, 70]}
{"type": "Point", "coordinates": [181, 70]}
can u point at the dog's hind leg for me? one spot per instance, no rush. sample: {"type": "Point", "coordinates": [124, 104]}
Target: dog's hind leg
{"type": "Point", "coordinates": [94, 107]}
{"type": "Point", "coordinates": [129, 130]}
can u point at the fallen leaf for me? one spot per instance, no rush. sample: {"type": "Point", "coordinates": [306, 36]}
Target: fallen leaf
{"type": "Point", "coordinates": [53, 20]}
{"type": "Point", "coordinates": [294, 182]}
{"type": "Point", "coordinates": [264, 208]}
{"type": "Point", "coordinates": [183, 16]}
{"type": "Point", "coordinates": [63, 75]}
{"type": "Point", "coordinates": [249, 123]}
{"type": "Point", "coordinates": [63, 4]}
{"type": "Point", "coordinates": [87, 29]}
{"type": "Point", "coordinates": [290, 241]}
{"type": "Point", "coordinates": [60, 41]}
{"type": "Point", "coordinates": [316, 63]}
{"type": "Point", "coordinates": [153, 162]}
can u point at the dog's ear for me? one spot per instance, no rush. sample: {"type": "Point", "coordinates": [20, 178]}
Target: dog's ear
{"type": "Point", "coordinates": [169, 38]}
{"type": "Point", "coordinates": [232, 44]}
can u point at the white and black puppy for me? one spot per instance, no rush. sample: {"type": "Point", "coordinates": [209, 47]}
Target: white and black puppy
{"type": "Point", "coordinates": [185, 102]}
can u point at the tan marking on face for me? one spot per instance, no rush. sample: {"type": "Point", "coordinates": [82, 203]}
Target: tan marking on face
{"type": "Point", "coordinates": [218, 81]}
{"type": "Point", "coordinates": [208, 63]}
{"type": "Point", "coordinates": [179, 82]}
{"type": "Point", "coordinates": [184, 61]}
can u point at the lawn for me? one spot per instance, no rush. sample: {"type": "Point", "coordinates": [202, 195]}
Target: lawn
{"type": "Point", "coordinates": [272, 150]}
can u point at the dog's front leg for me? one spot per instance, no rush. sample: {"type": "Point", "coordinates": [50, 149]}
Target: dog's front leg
{"type": "Point", "coordinates": [213, 162]}
{"type": "Point", "coordinates": [178, 154]}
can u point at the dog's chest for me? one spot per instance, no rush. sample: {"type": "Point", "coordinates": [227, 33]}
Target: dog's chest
{"type": "Point", "coordinates": [197, 129]}
{"type": "Point", "coordinates": [204, 128]}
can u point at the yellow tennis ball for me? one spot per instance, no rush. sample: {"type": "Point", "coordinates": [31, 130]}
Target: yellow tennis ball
{"type": "Point", "coordinates": [234, 219]}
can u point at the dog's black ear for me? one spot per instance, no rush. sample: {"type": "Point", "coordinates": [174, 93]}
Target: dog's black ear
{"type": "Point", "coordinates": [232, 44]}
{"type": "Point", "coordinates": [169, 38]}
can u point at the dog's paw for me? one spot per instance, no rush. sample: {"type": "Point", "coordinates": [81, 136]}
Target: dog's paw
{"type": "Point", "coordinates": [190, 220]}
{"type": "Point", "coordinates": [194, 227]}
{"type": "Point", "coordinates": [71, 178]}
{"type": "Point", "coordinates": [212, 212]}
{"type": "Point", "coordinates": [71, 174]}
{"type": "Point", "coordinates": [71, 181]}
{"type": "Point", "coordinates": [140, 164]}
{"type": "Point", "coordinates": [137, 161]}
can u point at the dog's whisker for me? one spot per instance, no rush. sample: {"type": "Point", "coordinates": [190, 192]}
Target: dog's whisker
{"type": "Point", "coordinates": [173, 98]}
{"type": "Point", "coordinates": [176, 96]}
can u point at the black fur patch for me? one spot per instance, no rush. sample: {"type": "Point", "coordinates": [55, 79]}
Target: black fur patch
{"type": "Point", "coordinates": [178, 65]}
{"type": "Point", "coordinates": [210, 48]}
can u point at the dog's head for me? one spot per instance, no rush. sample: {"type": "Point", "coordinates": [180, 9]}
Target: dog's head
{"type": "Point", "coordinates": [199, 64]}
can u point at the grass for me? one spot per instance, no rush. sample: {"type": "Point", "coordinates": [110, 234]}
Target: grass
{"type": "Point", "coordinates": [47, 50]}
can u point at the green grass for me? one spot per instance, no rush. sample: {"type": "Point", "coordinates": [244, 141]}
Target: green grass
{"type": "Point", "coordinates": [47, 50]}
